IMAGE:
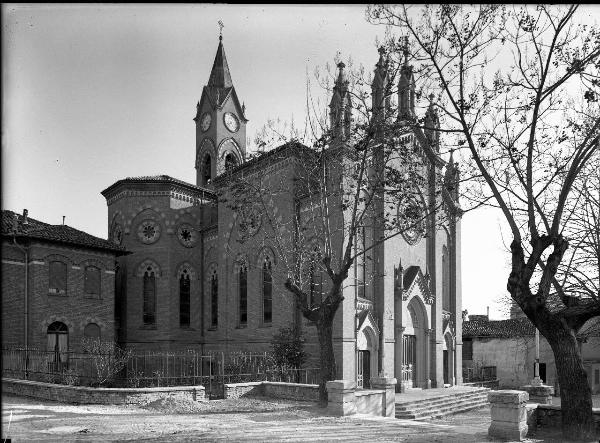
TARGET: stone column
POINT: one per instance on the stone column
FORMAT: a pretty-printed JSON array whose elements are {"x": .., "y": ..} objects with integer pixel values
[
  {"x": 340, "y": 397},
  {"x": 509, "y": 414},
  {"x": 389, "y": 398}
]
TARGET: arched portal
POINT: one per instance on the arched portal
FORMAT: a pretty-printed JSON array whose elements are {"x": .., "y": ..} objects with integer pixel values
[
  {"x": 367, "y": 356},
  {"x": 415, "y": 345},
  {"x": 448, "y": 359}
]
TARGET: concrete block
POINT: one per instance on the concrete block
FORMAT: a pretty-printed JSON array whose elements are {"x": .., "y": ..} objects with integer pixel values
[
  {"x": 340, "y": 385},
  {"x": 509, "y": 414},
  {"x": 508, "y": 431}
]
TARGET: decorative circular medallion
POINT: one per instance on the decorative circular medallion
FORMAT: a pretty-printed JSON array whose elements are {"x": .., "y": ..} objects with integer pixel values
[
  {"x": 187, "y": 235},
  {"x": 205, "y": 122},
  {"x": 411, "y": 219},
  {"x": 117, "y": 234},
  {"x": 250, "y": 219},
  {"x": 231, "y": 122},
  {"x": 148, "y": 231}
]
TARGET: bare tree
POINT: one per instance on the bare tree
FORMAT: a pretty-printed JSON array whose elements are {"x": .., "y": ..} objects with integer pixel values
[
  {"x": 356, "y": 182},
  {"x": 508, "y": 78}
]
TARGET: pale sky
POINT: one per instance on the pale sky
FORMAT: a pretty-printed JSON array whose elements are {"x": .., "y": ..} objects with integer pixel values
[{"x": 94, "y": 93}]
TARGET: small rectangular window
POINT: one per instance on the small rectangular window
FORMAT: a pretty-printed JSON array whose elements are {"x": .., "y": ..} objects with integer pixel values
[
  {"x": 91, "y": 281},
  {"x": 467, "y": 350},
  {"x": 57, "y": 278},
  {"x": 597, "y": 376}
]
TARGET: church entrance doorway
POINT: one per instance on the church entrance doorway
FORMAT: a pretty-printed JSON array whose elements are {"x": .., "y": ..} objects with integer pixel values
[
  {"x": 446, "y": 372},
  {"x": 409, "y": 354},
  {"x": 364, "y": 369}
]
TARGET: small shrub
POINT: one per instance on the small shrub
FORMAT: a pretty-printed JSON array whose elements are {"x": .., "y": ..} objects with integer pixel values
[
  {"x": 108, "y": 360},
  {"x": 288, "y": 349},
  {"x": 69, "y": 377}
]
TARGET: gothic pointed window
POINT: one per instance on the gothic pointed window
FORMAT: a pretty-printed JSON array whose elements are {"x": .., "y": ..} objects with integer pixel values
[
  {"x": 267, "y": 290},
  {"x": 214, "y": 299},
  {"x": 243, "y": 289},
  {"x": 445, "y": 278},
  {"x": 230, "y": 162},
  {"x": 149, "y": 308},
  {"x": 360, "y": 262},
  {"x": 184, "y": 299},
  {"x": 207, "y": 169}
]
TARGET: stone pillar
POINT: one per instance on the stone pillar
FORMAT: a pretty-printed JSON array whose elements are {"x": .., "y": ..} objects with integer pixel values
[
  {"x": 541, "y": 394},
  {"x": 340, "y": 397},
  {"x": 428, "y": 358},
  {"x": 509, "y": 414},
  {"x": 389, "y": 398}
]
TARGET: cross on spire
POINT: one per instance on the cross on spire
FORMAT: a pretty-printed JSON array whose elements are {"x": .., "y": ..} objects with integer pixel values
[{"x": 221, "y": 26}]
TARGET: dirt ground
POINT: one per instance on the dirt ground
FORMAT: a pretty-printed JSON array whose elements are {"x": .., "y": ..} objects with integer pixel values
[{"x": 247, "y": 419}]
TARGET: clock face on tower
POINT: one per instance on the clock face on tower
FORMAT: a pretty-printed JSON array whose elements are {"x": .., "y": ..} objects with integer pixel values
[
  {"x": 205, "y": 122},
  {"x": 231, "y": 122}
]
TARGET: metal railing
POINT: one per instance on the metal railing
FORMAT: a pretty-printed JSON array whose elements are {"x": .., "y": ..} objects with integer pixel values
[
  {"x": 482, "y": 373},
  {"x": 149, "y": 369}
]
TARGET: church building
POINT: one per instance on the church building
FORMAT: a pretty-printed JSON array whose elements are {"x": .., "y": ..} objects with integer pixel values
[{"x": 203, "y": 276}]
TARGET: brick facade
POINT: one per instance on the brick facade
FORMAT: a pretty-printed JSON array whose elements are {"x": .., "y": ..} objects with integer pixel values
[{"x": 76, "y": 309}]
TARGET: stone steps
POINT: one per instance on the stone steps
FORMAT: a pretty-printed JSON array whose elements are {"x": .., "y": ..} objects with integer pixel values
[{"x": 440, "y": 406}]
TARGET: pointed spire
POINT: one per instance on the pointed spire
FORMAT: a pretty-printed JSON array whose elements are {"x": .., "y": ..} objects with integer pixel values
[
  {"x": 432, "y": 123},
  {"x": 340, "y": 107},
  {"x": 220, "y": 76},
  {"x": 452, "y": 176},
  {"x": 406, "y": 86},
  {"x": 379, "y": 102}
]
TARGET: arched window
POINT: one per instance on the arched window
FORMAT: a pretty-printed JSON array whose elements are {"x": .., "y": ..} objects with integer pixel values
[
  {"x": 149, "y": 297},
  {"x": 57, "y": 284},
  {"x": 91, "y": 281},
  {"x": 360, "y": 261},
  {"x": 207, "y": 169},
  {"x": 58, "y": 342},
  {"x": 214, "y": 299},
  {"x": 315, "y": 279},
  {"x": 445, "y": 278},
  {"x": 267, "y": 290},
  {"x": 92, "y": 331},
  {"x": 243, "y": 288},
  {"x": 184, "y": 299},
  {"x": 230, "y": 162}
]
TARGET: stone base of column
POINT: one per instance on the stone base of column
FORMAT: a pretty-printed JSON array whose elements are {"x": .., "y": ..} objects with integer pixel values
[
  {"x": 389, "y": 400},
  {"x": 509, "y": 414},
  {"x": 541, "y": 394},
  {"x": 340, "y": 397}
]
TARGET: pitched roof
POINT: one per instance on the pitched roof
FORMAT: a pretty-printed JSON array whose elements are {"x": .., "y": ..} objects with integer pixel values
[
  {"x": 511, "y": 328},
  {"x": 157, "y": 179},
  {"x": 35, "y": 229}
]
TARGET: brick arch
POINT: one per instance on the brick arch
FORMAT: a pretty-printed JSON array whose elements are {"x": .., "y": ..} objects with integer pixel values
[
  {"x": 92, "y": 262},
  {"x": 228, "y": 146},
  {"x": 190, "y": 269},
  {"x": 265, "y": 251},
  {"x": 145, "y": 264},
  {"x": 92, "y": 319},
  {"x": 58, "y": 257},
  {"x": 206, "y": 146},
  {"x": 61, "y": 318}
]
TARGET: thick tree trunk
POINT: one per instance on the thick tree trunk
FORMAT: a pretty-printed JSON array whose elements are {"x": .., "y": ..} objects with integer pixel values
[
  {"x": 575, "y": 393},
  {"x": 328, "y": 368}
]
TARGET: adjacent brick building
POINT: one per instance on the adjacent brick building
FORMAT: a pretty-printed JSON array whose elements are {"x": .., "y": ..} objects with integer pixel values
[
  {"x": 203, "y": 275},
  {"x": 58, "y": 285}
]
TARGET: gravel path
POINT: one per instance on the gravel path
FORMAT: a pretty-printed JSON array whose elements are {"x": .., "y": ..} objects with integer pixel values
[{"x": 248, "y": 419}]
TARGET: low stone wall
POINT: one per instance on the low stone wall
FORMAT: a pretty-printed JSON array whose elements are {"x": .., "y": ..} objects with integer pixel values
[
  {"x": 492, "y": 384},
  {"x": 293, "y": 391},
  {"x": 369, "y": 401},
  {"x": 237, "y": 390},
  {"x": 550, "y": 416},
  {"x": 105, "y": 396}
]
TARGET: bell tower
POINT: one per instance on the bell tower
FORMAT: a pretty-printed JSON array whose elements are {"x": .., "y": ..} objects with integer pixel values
[{"x": 220, "y": 124}]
